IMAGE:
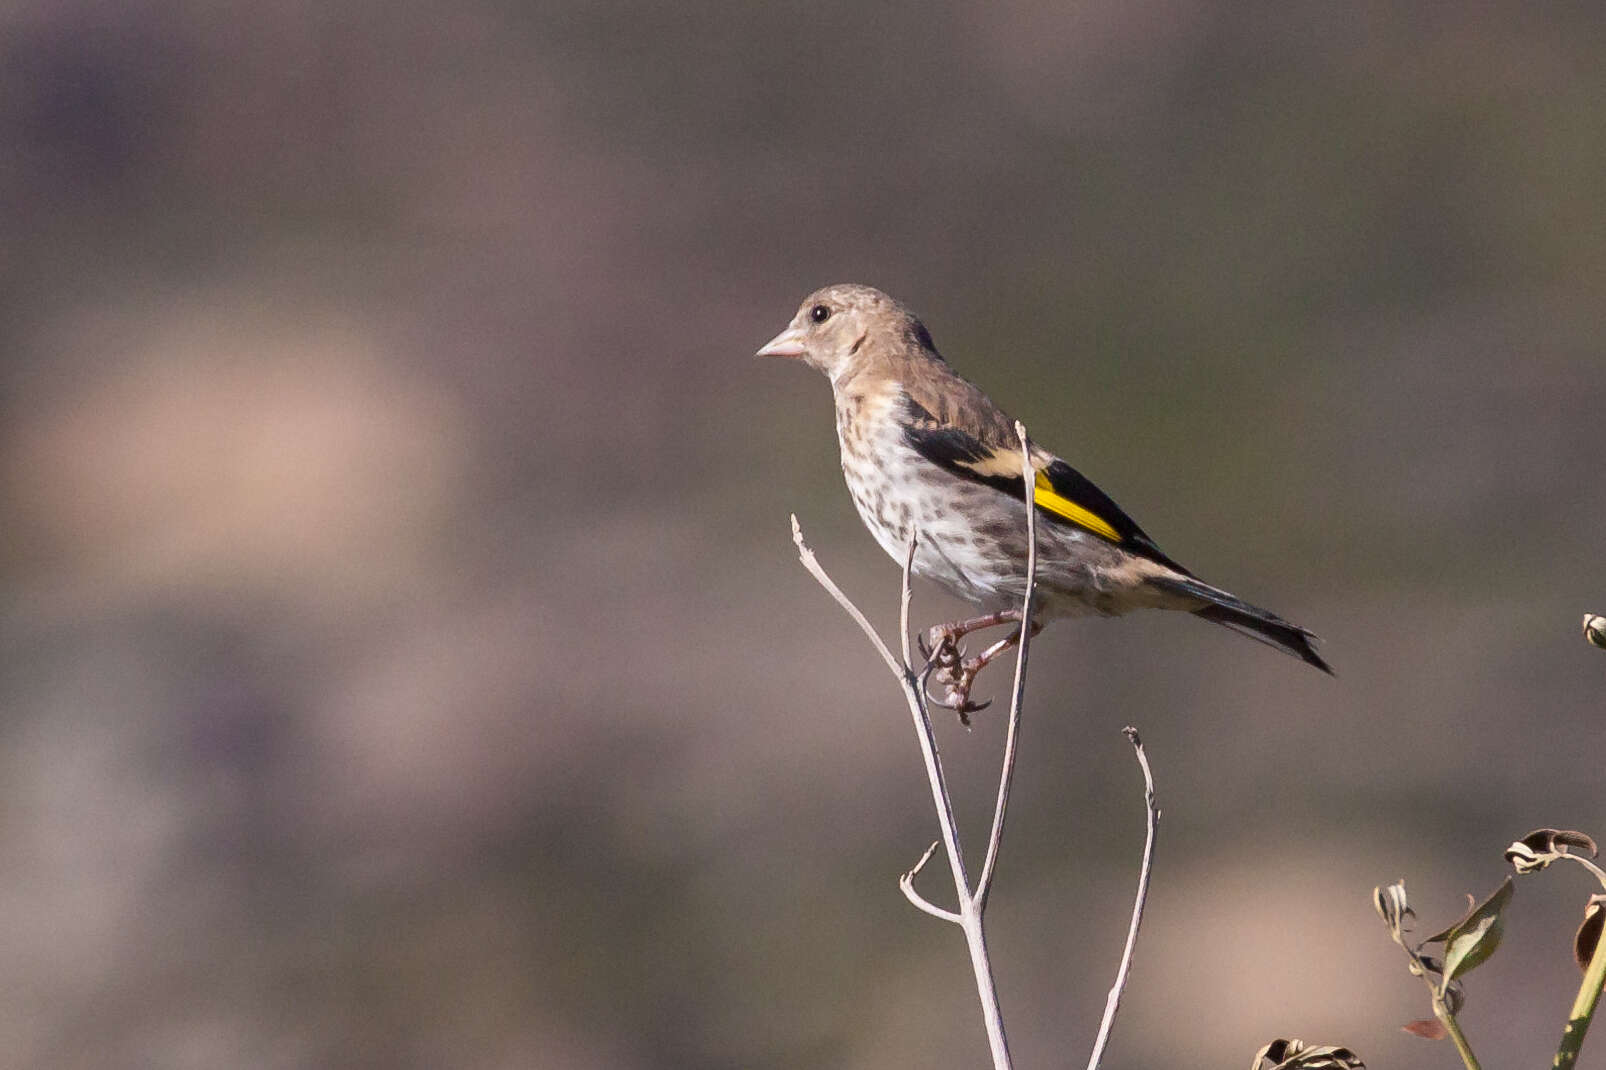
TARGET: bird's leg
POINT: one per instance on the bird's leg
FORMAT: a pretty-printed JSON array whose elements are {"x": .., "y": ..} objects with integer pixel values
[
  {"x": 957, "y": 672},
  {"x": 942, "y": 641}
]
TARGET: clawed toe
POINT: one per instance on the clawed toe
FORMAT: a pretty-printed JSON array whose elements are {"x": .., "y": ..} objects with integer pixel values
[
  {"x": 945, "y": 660},
  {"x": 957, "y": 680}
]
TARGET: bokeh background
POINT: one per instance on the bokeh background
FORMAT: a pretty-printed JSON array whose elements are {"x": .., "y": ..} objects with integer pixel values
[{"x": 405, "y": 662}]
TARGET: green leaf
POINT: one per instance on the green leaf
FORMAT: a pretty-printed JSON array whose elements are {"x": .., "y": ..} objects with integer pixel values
[
  {"x": 1470, "y": 942},
  {"x": 1444, "y": 934}
]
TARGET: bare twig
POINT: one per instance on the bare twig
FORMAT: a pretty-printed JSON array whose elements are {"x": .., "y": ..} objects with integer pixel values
[
  {"x": 969, "y": 916},
  {"x": 907, "y": 884},
  {"x": 1113, "y": 1002},
  {"x": 807, "y": 557},
  {"x": 984, "y": 883},
  {"x": 903, "y": 602},
  {"x": 1598, "y": 873}
]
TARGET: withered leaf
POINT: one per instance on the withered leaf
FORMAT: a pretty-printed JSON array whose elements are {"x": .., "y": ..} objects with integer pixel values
[
  {"x": 1392, "y": 906},
  {"x": 1283, "y": 1054},
  {"x": 1588, "y": 936},
  {"x": 1541, "y": 847},
  {"x": 1427, "y": 1029},
  {"x": 1455, "y": 996}
]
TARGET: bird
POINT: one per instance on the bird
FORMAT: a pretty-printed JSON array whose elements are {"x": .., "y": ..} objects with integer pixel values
[{"x": 928, "y": 456}]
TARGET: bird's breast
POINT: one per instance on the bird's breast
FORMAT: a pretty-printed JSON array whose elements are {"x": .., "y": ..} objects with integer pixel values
[{"x": 898, "y": 493}]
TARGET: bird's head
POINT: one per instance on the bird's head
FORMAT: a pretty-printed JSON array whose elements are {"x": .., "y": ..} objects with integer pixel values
[{"x": 833, "y": 326}]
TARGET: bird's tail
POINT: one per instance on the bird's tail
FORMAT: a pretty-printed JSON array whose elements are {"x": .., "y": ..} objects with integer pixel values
[{"x": 1259, "y": 624}]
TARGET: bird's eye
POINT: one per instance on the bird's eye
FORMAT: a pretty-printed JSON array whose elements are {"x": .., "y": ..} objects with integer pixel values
[{"x": 819, "y": 313}]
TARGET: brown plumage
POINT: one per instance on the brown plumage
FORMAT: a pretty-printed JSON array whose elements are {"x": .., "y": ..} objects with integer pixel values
[{"x": 924, "y": 451}]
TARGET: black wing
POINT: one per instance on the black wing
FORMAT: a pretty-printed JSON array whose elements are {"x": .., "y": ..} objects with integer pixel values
[{"x": 1063, "y": 495}]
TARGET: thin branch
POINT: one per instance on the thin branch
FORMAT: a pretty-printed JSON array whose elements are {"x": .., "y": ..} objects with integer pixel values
[
  {"x": 1113, "y": 1002},
  {"x": 970, "y": 910},
  {"x": 970, "y": 915},
  {"x": 1599, "y": 874},
  {"x": 807, "y": 557},
  {"x": 907, "y": 884},
  {"x": 903, "y": 601},
  {"x": 984, "y": 883}
]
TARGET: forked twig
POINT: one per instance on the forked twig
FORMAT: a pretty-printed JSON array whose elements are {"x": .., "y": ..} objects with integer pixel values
[
  {"x": 907, "y": 884},
  {"x": 968, "y": 917},
  {"x": 1112, "y": 1003},
  {"x": 972, "y": 902}
]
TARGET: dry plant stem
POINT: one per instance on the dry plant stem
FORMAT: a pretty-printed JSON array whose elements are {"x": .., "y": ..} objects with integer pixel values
[
  {"x": 903, "y": 607},
  {"x": 984, "y": 884},
  {"x": 807, "y": 557},
  {"x": 968, "y": 917},
  {"x": 1583, "y": 1012},
  {"x": 1598, "y": 873},
  {"x": 1113, "y": 1002},
  {"x": 970, "y": 914},
  {"x": 972, "y": 904},
  {"x": 906, "y": 883}
]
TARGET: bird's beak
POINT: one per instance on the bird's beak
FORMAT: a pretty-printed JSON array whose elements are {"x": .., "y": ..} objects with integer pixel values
[{"x": 789, "y": 343}]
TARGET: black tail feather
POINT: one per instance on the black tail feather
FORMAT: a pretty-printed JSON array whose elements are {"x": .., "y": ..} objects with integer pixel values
[
  {"x": 1269, "y": 629},
  {"x": 1258, "y": 624}
]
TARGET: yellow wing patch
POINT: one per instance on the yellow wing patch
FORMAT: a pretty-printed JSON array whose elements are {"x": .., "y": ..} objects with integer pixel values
[{"x": 1044, "y": 495}]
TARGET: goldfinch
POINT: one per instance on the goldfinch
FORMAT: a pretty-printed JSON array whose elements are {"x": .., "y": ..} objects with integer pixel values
[{"x": 926, "y": 453}]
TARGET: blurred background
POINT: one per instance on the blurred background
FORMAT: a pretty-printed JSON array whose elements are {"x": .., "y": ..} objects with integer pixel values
[{"x": 405, "y": 662}]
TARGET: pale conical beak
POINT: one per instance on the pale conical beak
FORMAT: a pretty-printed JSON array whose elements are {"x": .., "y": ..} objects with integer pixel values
[{"x": 789, "y": 343}]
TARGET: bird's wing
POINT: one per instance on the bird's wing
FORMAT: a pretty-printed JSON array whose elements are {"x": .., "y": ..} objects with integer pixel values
[{"x": 1063, "y": 494}]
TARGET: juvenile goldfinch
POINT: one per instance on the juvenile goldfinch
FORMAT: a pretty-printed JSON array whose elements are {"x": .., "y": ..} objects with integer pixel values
[{"x": 925, "y": 452}]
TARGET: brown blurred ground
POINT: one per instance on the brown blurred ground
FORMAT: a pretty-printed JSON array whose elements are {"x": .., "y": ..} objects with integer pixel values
[{"x": 404, "y": 660}]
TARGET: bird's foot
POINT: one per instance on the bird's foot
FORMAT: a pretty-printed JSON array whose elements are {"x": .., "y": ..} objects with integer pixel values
[
  {"x": 955, "y": 672},
  {"x": 956, "y": 690}
]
